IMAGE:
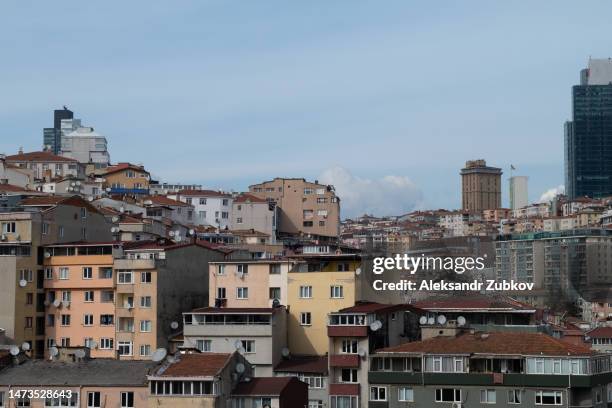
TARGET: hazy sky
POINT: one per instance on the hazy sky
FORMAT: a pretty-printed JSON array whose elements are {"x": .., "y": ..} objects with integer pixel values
[{"x": 386, "y": 99}]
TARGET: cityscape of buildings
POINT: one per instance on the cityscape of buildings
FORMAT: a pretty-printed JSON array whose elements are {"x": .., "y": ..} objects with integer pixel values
[{"x": 120, "y": 290}]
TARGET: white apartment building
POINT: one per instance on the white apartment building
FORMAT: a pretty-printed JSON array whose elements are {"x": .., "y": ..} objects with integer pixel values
[
  {"x": 210, "y": 207},
  {"x": 83, "y": 143},
  {"x": 458, "y": 222}
]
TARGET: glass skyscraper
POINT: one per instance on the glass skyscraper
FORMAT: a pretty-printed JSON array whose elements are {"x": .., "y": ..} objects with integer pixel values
[
  {"x": 588, "y": 136},
  {"x": 52, "y": 137}
]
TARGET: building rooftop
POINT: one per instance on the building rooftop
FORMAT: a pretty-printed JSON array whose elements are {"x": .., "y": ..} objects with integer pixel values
[
  {"x": 303, "y": 364},
  {"x": 247, "y": 197},
  {"x": 263, "y": 386},
  {"x": 94, "y": 372},
  {"x": 10, "y": 188},
  {"x": 195, "y": 365},
  {"x": 473, "y": 303},
  {"x": 235, "y": 310},
  {"x": 165, "y": 201},
  {"x": 601, "y": 332},
  {"x": 372, "y": 307},
  {"x": 497, "y": 343},
  {"x": 43, "y": 156},
  {"x": 204, "y": 193}
]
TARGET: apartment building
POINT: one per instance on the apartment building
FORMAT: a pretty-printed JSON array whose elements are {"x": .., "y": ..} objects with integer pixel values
[
  {"x": 481, "y": 369},
  {"x": 80, "y": 383},
  {"x": 250, "y": 212},
  {"x": 600, "y": 339},
  {"x": 313, "y": 370},
  {"x": 210, "y": 207},
  {"x": 304, "y": 208},
  {"x": 11, "y": 174},
  {"x": 459, "y": 223},
  {"x": 480, "y": 186},
  {"x": 122, "y": 300},
  {"x": 126, "y": 179},
  {"x": 46, "y": 166},
  {"x": 162, "y": 207},
  {"x": 249, "y": 283},
  {"x": 355, "y": 332},
  {"x": 316, "y": 285},
  {"x": 259, "y": 334},
  {"x": 26, "y": 227}
]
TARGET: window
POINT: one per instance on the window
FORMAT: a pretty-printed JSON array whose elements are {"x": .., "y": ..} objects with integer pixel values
[
  {"x": 83, "y": 212},
  {"x": 145, "y": 350},
  {"x": 202, "y": 214},
  {"x": 124, "y": 277},
  {"x": 29, "y": 298},
  {"x": 106, "y": 320},
  {"x": 221, "y": 270},
  {"x": 107, "y": 296},
  {"x": 349, "y": 346},
  {"x": 248, "y": 346},
  {"x": 1, "y": 398},
  {"x": 275, "y": 269},
  {"x": 224, "y": 215},
  {"x": 315, "y": 403},
  {"x": 8, "y": 227},
  {"x": 50, "y": 343},
  {"x": 488, "y": 397},
  {"x": 305, "y": 292},
  {"x": 221, "y": 293},
  {"x": 378, "y": 393},
  {"x": 65, "y": 341},
  {"x": 321, "y": 223},
  {"x": 66, "y": 296},
  {"x": 348, "y": 375},
  {"x": 106, "y": 273},
  {"x": 125, "y": 348},
  {"x": 204, "y": 345},
  {"x": 145, "y": 277},
  {"x": 106, "y": 343},
  {"x": 262, "y": 402},
  {"x": 316, "y": 382},
  {"x": 50, "y": 320},
  {"x": 307, "y": 224},
  {"x": 63, "y": 273},
  {"x": 548, "y": 398},
  {"x": 127, "y": 399},
  {"x": 305, "y": 319},
  {"x": 45, "y": 228},
  {"x": 23, "y": 402},
  {"x": 239, "y": 220},
  {"x": 93, "y": 399},
  {"x": 243, "y": 268},
  {"x": 405, "y": 394},
  {"x": 26, "y": 275},
  {"x": 28, "y": 322},
  {"x": 242, "y": 293},
  {"x": 448, "y": 395},
  {"x": 65, "y": 320},
  {"x": 202, "y": 201},
  {"x": 89, "y": 296},
  {"x": 48, "y": 273},
  {"x": 337, "y": 292},
  {"x": 145, "y": 326},
  {"x": 343, "y": 267},
  {"x": 145, "y": 301},
  {"x": 88, "y": 320},
  {"x": 60, "y": 231},
  {"x": 343, "y": 401},
  {"x": 88, "y": 342},
  {"x": 275, "y": 293}
]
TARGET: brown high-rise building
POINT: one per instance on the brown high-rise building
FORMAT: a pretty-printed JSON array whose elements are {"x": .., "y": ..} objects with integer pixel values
[{"x": 480, "y": 186}]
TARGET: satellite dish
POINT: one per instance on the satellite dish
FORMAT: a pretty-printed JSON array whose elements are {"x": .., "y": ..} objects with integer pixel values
[
  {"x": 25, "y": 346},
  {"x": 78, "y": 183},
  {"x": 461, "y": 321},
  {"x": 108, "y": 189},
  {"x": 47, "y": 254},
  {"x": 237, "y": 344},
  {"x": 14, "y": 350},
  {"x": 441, "y": 319},
  {"x": 423, "y": 320},
  {"x": 358, "y": 271},
  {"x": 115, "y": 218},
  {"x": 275, "y": 303},
  {"x": 114, "y": 230},
  {"x": 80, "y": 353},
  {"x": 431, "y": 320},
  {"x": 57, "y": 303},
  {"x": 178, "y": 238},
  {"x": 53, "y": 351},
  {"x": 171, "y": 233},
  {"x": 159, "y": 354},
  {"x": 23, "y": 283},
  {"x": 375, "y": 325},
  {"x": 121, "y": 209},
  {"x": 174, "y": 325},
  {"x": 285, "y": 352},
  {"x": 240, "y": 368},
  {"x": 192, "y": 232},
  {"x": 361, "y": 352}
]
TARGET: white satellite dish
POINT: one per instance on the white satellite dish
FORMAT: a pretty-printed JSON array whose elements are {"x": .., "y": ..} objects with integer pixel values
[
  {"x": 285, "y": 352},
  {"x": 47, "y": 254},
  {"x": 115, "y": 218},
  {"x": 178, "y": 238},
  {"x": 358, "y": 271},
  {"x": 108, "y": 189},
  {"x": 423, "y": 320},
  {"x": 192, "y": 232},
  {"x": 376, "y": 325},
  {"x": 441, "y": 319},
  {"x": 159, "y": 354},
  {"x": 80, "y": 353},
  {"x": 14, "y": 350},
  {"x": 114, "y": 230},
  {"x": 461, "y": 321},
  {"x": 57, "y": 303},
  {"x": 240, "y": 368},
  {"x": 431, "y": 320},
  {"x": 53, "y": 351},
  {"x": 171, "y": 233},
  {"x": 237, "y": 344},
  {"x": 361, "y": 352},
  {"x": 25, "y": 346},
  {"x": 23, "y": 283},
  {"x": 121, "y": 210},
  {"x": 174, "y": 325},
  {"x": 78, "y": 183}
]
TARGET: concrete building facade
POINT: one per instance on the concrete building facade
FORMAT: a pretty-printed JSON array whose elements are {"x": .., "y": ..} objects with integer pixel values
[{"x": 480, "y": 186}]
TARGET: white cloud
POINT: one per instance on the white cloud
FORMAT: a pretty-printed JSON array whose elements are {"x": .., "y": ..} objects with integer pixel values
[
  {"x": 389, "y": 195},
  {"x": 549, "y": 194}
]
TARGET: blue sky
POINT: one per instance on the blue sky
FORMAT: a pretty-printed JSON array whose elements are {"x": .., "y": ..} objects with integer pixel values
[{"x": 390, "y": 96}]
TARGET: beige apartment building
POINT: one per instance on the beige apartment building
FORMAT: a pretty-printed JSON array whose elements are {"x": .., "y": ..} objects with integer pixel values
[
  {"x": 123, "y": 300},
  {"x": 34, "y": 222},
  {"x": 480, "y": 186},
  {"x": 46, "y": 166},
  {"x": 250, "y": 212},
  {"x": 304, "y": 208}
]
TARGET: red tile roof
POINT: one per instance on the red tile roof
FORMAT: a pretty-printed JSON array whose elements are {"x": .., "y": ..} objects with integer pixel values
[
  {"x": 123, "y": 166},
  {"x": 10, "y": 188},
  {"x": 264, "y": 386},
  {"x": 39, "y": 157},
  {"x": 303, "y": 364},
  {"x": 472, "y": 302},
  {"x": 53, "y": 200},
  {"x": 163, "y": 200},
  {"x": 601, "y": 332},
  {"x": 247, "y": 197},
  {"x": 203, "y": 193},
  {"x": 197, "y": 365},
  {"x": 372, "y": 307},
  {"x": 492, "y": 343},
  {"x": 236, "y": 310}
]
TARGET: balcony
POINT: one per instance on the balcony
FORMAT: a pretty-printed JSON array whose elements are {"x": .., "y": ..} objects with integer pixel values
[
  {"x": 132, "y": 264},
  {"x": 344, "y": 360},
  {"x": 127, "y": 312},
  {"x": 125, "y": 288},
  {"x": 344, "y": 389},
  {"x": 347, "y": 331}
]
